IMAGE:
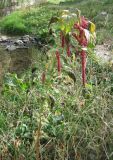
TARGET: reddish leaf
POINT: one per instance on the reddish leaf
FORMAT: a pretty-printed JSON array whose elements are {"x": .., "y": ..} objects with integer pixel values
[
  {"x": 84, "y": 23},
  {"x": 58, "y": 61}
]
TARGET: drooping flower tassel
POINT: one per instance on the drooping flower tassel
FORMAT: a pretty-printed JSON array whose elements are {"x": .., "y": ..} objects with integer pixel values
[
  {"x": 58, "y": 61},
  {"x": 83, "y": 59},
  {"x": 62, "y": 39},
  {"x": 68, "y": 50}
]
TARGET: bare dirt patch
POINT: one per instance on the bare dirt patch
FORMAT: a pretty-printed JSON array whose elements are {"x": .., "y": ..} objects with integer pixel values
[{"x": 104, "y": 53}]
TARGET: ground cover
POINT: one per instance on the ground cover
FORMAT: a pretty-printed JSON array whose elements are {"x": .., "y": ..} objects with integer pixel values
[{"x": 44, "y": 115}]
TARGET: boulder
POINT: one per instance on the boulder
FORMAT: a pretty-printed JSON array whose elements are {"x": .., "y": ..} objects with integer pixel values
[
  {"x": 18, "y": 42},
  {"x": 3, "y": 39},
  {"x": 11, "y": 48}
]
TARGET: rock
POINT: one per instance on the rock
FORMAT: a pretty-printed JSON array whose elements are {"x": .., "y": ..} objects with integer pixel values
[
  {"x": 26, "y": 37},
  {"x": 18, "y": 42},
  {"x": 0, "y": 40},
  {"x": 3, "y": 39},
  {"x": 33, "y": 41},
  {"x": 12, "y": 43},
  {"x": 103, "y": 13},
  {"x": 11, "y": 48},
  {"x": 26, "y": 41}
]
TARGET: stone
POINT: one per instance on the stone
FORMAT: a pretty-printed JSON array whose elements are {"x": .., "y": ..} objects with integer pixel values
[
  {"x": 26, "y": 41},
  {"x": 26, "y": 37},
  {"x": 103, "y": 13},
  {"x": 11, "y": 48},
  {"x": 18, "y": 42},
  {"x": 3, "y": 39}
]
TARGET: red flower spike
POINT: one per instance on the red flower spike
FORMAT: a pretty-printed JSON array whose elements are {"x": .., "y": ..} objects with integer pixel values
[
  {"x": 84, "y": 43},
  {"x": 62, "y": 39},
  {"x": 84, "y": 23},
  {"x": 68, "y": 50},
  {"x": 77, "y": 26},
  {"x": 81, "y": 39},
  {"x": 76, "y": 36},
  {"x": 43, "y": 77},
  {"x": 58, "y": 61},
  {"x": 83, "y": 58}
]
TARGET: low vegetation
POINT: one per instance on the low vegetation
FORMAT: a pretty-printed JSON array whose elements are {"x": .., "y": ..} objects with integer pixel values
[
  {"x": 47, "y": 113},
  {"x": 29, "y": 21},
  {"x": 68, "y": 120}
]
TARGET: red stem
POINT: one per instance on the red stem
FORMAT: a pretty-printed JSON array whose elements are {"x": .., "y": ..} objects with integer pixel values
[
  {"x": 58, "y": 61},
  {"x": 68, "y": 50},
  {"x": 62, "y": 39}
]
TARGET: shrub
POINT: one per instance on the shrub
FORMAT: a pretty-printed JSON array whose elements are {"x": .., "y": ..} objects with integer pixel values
[{"x": 33, "y": 21}]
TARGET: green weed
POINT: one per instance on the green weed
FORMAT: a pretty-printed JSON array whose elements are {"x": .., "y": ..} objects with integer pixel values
[{"x": 74, "y": 122}]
